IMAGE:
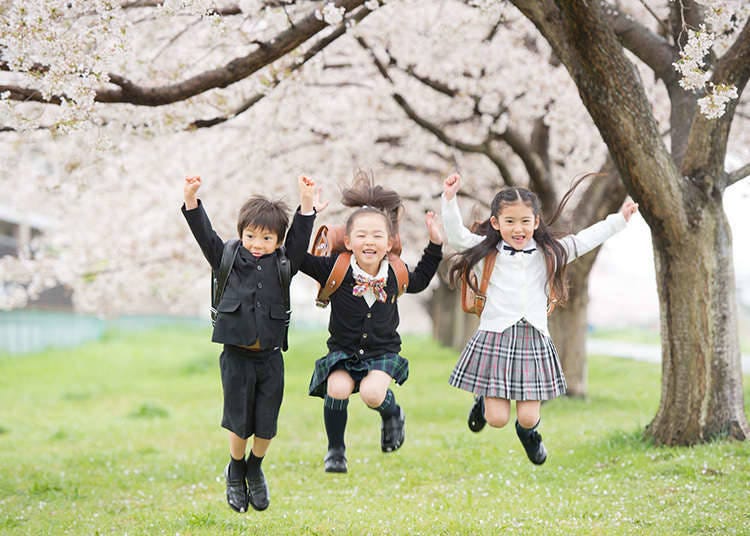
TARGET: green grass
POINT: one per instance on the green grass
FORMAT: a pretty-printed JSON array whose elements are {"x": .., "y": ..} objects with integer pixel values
[
  {"x": 122, "y": 437},
  {"x": 645, "y": 335}
]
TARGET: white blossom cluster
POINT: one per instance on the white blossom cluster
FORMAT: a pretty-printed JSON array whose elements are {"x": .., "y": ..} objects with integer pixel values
[
  {"x": 35, "y": 36},
  {"x": 691, "y": 62},
  {"x": 714, "y": 104},
  {"x": 724, "y": 18},
  {"x": 330, "y": 13}
]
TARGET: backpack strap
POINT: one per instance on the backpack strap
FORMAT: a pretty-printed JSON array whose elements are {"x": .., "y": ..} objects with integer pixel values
[
  {"x": 219, "y": 279},
  {"x": 401, "y": 271},
  {"x": 340, "y": 268},
  {"x": 480, "y": 297},
  {"x": 334, "y": 279},
  {"x": 284, "y": 268},
  {"x": 321, "y": 247}
]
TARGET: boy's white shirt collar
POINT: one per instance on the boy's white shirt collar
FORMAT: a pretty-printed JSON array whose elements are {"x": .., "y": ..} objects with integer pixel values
[{"x": 369, "y": 295}]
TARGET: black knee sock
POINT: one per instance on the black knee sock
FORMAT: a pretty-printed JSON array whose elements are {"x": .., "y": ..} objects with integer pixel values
[
  {"x": 526, "y": 431},
  {"x": 388, "y": 408},
  {"x": 253, "y": 463},
  {"x": 335, "y": 415},
  {"x": 237, "y": 468}
]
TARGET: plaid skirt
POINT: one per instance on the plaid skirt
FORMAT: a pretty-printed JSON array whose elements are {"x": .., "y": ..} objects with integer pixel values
[
  {"x": 520, "y": 363},
  {"x": 394, "y": 365}
]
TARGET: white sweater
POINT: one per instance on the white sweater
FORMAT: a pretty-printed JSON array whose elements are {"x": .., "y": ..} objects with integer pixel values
[{"x": 517, "y": 286}]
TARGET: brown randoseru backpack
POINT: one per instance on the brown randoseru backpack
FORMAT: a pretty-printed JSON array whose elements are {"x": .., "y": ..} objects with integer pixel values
[
  {"x": 473, "y": 302},
  {"x": 329, "y": 240}
]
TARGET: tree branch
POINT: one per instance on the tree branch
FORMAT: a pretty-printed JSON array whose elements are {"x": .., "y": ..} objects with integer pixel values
[
  {"x": 650, "y": 48},
  {"x": 233, "y": 9},
  {"x": 481, "y": 148},
  {"x": 738, "y": 174},
  {"x": 533, "y": 163},
  {"x": 417, "y": 168},
  {"x": 221, "y": 77},
  {"x": 307, "y": 56}
]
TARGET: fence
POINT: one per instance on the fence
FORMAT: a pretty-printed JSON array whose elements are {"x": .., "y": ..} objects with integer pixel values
[{"x": 32, "y": 331}]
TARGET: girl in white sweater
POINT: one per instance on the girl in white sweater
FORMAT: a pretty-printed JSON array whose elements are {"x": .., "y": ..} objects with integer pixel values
[{"x": 511, "y": 356}]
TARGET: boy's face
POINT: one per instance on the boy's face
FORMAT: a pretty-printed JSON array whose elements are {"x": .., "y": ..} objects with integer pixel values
[
  {"x": 368, "y": 240},
  {"x": 259, "y": 241}
]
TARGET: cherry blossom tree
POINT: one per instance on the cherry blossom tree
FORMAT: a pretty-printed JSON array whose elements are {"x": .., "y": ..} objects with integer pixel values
[
  {"x": 678, "y": 183},
  {"x": 104, "y": 108}
]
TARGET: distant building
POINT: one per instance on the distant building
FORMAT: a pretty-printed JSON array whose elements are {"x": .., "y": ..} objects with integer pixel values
[{"x": 16, "y": 233}]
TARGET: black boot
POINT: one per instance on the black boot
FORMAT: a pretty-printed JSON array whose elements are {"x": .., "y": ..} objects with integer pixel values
[
  {"x": 392, "y": 434},
  {"x": 476, "y": 415},
  {"x": 335, "y": 460},
  {"x": 532, "y": 443}
]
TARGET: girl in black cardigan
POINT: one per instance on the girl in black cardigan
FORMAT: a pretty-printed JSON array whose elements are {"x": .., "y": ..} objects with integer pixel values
[{"x": 364, "y": 343}]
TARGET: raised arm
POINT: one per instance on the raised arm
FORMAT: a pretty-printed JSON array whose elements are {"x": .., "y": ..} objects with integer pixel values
[
  {"x": 584, "y": 241},
  {"x": 298, "y": 237},
  {"x": 210, "y": 242},
  {"x": 456, "y": 234}
]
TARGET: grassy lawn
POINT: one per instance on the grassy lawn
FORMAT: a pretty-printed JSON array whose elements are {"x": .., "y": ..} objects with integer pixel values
[{"x": 122, "y": 437}]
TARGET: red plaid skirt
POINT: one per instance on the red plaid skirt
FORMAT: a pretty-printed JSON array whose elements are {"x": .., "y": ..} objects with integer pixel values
[{"x": 520, "y": 363}]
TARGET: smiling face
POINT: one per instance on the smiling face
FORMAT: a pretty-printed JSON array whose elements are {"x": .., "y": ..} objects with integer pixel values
[
  {"x": 368, "y": 239},
  {"x": 259, "y": 241},
  {"x": 516, "y": 223}
]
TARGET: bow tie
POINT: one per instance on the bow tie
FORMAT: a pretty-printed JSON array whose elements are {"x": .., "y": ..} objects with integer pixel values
[
  {"x": 513, "y": 251},
  {"x": 363, "y": 284}
]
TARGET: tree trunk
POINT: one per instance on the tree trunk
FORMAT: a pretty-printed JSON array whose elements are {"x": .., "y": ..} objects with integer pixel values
[
  {"x": 702, "y": 376},
  {"x": 702, "y": 396},
  {"x": 568, "y": 327}
]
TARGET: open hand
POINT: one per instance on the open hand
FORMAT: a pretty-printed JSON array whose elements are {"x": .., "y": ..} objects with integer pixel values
[
  {"x": 451, "y": 185},
  {"x": 433, "y": 228}
]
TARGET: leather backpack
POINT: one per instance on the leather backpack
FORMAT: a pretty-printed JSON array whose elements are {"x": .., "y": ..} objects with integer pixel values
[{"x": 329, "y": 240}]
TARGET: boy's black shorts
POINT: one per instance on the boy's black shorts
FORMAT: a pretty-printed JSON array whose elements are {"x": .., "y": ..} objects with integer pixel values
[{"x": 253, "y": 384}]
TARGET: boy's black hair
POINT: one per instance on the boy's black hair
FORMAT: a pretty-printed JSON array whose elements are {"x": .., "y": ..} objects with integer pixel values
[{"x": 264, "y": 213}]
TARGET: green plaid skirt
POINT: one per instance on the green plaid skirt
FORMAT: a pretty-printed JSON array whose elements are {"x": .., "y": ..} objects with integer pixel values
[{"x": 394, "y": 365}]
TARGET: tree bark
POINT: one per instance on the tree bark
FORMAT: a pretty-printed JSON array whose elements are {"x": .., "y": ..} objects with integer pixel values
[
  {"x": 701, "y": 370},
  {"x": 701, "y": 395}
]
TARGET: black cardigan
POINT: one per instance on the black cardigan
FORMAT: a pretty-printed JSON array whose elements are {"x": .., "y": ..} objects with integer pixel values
[
  {"x": 252, "y": 307},
  {"x": 354, "y": 327}
]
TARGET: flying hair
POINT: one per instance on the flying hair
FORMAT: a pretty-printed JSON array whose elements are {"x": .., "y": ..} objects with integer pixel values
[{"x": 555, "y": 255}]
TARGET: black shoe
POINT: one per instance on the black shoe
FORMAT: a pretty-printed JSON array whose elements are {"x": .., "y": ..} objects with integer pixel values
[
  {"x": 476, "y": 415},
  {"x": 392, "y": 434},
  {"x": 335, "y": 460},
  {"x": 236, "y": 492},
  {"x": 257, "y": 490},
  {"x": 532, "y": 443}
]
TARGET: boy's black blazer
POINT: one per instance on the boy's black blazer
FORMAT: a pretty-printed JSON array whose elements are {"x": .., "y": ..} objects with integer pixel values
[{"x": 252, "y": 307}]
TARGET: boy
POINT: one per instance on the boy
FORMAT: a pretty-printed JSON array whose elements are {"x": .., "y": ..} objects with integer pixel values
[{"x": 251, "y": 324}]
